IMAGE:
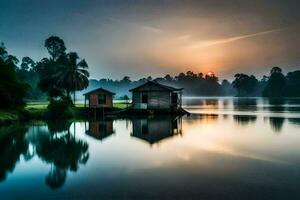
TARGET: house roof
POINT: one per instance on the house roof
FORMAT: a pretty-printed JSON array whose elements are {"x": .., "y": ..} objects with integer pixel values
[
  {"x": 99, "y": 89},
  {"x": 165, "y": 87}
]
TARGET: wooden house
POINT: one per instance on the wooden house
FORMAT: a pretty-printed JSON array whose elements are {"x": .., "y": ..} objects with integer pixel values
[
  {"x": 155, "y": 96},
  {"x": 99, "y": 98}
]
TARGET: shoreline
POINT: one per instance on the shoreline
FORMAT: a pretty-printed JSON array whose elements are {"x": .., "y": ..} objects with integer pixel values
[{"x": 9, "y": 117}]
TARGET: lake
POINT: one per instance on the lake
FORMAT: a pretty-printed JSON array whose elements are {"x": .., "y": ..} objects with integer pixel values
[{"x": 228, "y": 148}]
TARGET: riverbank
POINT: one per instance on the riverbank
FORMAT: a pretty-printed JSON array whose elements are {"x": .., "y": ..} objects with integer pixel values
[{"x": 39, "y": 111}]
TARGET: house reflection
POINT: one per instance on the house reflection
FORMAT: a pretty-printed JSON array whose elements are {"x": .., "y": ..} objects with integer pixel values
[
  {"x": 154, "y": 130},
  {"x": 100, "y": 129}
]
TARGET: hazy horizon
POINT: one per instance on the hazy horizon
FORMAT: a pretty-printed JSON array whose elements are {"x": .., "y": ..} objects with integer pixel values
[{"x": 139, "y": 38}]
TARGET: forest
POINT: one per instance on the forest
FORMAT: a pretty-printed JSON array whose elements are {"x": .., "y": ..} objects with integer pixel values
[{"x": 276, "y": 84}]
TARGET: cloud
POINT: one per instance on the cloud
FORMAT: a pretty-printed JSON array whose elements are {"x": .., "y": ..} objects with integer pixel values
[
  {"x": 137, "y": 25},
  {"x": 151, "y": 29},
  {"x": 208, "y": 43}
]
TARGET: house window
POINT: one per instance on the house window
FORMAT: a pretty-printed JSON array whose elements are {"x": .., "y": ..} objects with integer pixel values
[
  {"x": 101, "y": 98},
  {"x": 144, "y": 98}
]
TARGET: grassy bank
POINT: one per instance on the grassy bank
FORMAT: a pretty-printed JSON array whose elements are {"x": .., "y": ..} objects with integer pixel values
[{"x": 38, "y": 111}]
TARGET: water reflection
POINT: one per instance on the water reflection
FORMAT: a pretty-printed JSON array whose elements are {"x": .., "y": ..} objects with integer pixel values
[
  {"x": 295, "y": 121},
  {"x": 276, "y": 123},
  {"x": 155, "y": 129},
  {"x": 276, "y": 104},
  {"x": 230, "y": 147},
  {"x": 63, "y": 151},
  {"x": 245, "y": 104},
  {"x": 244, "y": 119},
  {"x": 12, "y": 146},
  {"x": 99, "y": 129},
  {"x": 56, "y": 146}
]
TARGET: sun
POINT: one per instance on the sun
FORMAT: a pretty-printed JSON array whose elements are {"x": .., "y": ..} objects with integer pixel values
[{"x": 210, "y": 73}]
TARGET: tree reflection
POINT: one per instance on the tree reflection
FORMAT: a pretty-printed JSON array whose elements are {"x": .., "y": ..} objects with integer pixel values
[
  {"x": 58, "y": 126},
  {"x": 56, "y": 177},
  {"x": 245, "y": 104},
  {"x": 12, "y": 145},
  {"x": 244, "y": 119},
  {"x": 276, "y": 104},
  {"x": 276, "y": 123},
  {"x": 295, "y": 121},
  {"x": 63, "y": 151}
]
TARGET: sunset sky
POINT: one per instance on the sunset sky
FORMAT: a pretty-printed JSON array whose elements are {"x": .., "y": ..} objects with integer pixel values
[{"x": 154, "y": 37}]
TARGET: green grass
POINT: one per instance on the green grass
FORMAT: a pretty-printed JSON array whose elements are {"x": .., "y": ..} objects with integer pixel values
[
  {"x": 42, "y": 105},
  {"x": 37, "y": 105},
  {"x": 120, "y": 105},
  {"x": 38, "y": 110}
]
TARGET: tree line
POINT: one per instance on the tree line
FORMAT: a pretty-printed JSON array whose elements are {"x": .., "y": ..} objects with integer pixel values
[
  {"x": 63, "y": 73},
  {"x": 276, "y": 84},
  {"x": 54, "y": 78}
]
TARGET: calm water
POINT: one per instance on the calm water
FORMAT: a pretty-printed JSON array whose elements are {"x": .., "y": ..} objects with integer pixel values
[{"x": 228, "y": 148}]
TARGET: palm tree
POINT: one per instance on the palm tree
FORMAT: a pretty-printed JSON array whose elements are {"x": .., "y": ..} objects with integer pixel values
[{"x": 73, "y": 74}]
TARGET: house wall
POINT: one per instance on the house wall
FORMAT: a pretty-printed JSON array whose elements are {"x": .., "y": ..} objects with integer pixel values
[
  {"x": 156, "y": 99},
  {"x": 93, "y": 100}
]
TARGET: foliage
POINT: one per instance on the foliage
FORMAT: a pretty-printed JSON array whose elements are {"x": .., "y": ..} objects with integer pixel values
[
  {"x": 73, "y": 74},
  {"x": 12, "y": 146},
  {"x": 293, "y": 84},
  {"x": 56, "y": 47},
  {"x": 27, "y": 73},
  {"x": 12, "y": 91},
  {"x": 193, "y": 84},
  {"x": 245, "y": 85},
  {"x": 47, "y": 70},
  {"x": 276, "y": 84},
  {"x": 62, "y": 72},
  {"x": 60, "y": 108},
  {"x": 227, "y": 88}
]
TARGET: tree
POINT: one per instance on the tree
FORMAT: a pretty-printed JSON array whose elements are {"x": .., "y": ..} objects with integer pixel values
[
  {"x": 47, "y": 70},
  {"x": 293, "y": 84},
  {"x": 12, "y": 91},
  {"x": 73, "y": 74},
  {"x": 227, "y": 88},
  {"x": 245, "y": 85},
  {"x": 56, "y": 47},
  {"x": 168, "y": 78},
  {"x": 27, "y": 64},
  {"x": 276, "y": 84},
  {"x": 62, "y": 73}
]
